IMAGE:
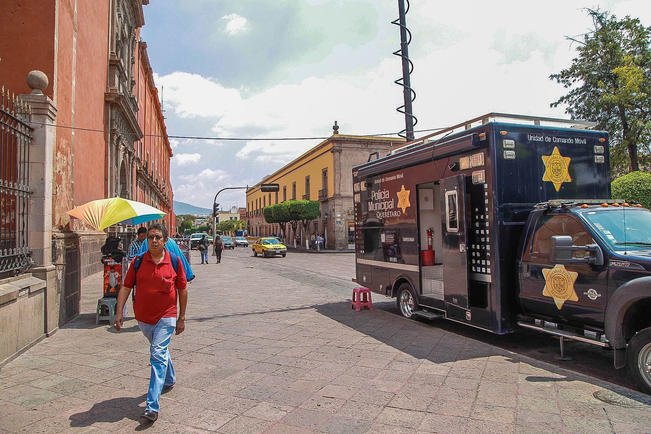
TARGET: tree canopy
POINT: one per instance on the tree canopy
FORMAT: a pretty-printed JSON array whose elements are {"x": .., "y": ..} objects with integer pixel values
[
  {"x": 292, "y": 212},
  {"x": 231, "y": 225},
  {"x": 610, "y": 82}
]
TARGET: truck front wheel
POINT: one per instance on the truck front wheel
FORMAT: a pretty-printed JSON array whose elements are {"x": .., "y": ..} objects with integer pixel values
[
  {"x": 638, "y": 358},
  {"x": 406, "y": 301}
]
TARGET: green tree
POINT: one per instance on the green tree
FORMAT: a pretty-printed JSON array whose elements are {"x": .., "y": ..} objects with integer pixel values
[
  {"x": 230, "y": 226},
  {"x": 610, "y": 83},
  {"x": 633, "y": 187},
  {"x": 293, "y": 212}
]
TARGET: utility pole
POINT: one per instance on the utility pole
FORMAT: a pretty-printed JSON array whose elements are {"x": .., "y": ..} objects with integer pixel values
[
  {"x": 263, "y": 187},
  {"x": 407, "y": 67}
]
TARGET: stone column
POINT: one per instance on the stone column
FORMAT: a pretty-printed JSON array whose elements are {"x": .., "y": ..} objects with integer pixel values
[{"x": 41, "y": 155}]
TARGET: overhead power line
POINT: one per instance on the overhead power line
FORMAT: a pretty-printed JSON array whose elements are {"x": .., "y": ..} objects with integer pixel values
[{"x": 234, "y": 139}]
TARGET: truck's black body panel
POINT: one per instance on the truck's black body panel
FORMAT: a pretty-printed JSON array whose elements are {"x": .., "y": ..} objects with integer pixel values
[{"x": 502, "y": 185}]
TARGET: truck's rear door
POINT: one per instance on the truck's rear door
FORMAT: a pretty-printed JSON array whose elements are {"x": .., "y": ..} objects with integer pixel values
[{"x": 455, "y": 235}]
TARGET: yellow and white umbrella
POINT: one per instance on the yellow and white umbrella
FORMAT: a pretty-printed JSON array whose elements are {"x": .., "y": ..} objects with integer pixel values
[{"x": 102, "y": 213}]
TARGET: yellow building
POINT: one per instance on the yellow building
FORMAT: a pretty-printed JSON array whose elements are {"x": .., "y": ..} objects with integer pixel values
[{"x": 323, "y": 173}]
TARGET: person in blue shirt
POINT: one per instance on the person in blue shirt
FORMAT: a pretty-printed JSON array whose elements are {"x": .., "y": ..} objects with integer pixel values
[{"x": 134, "y": 247}]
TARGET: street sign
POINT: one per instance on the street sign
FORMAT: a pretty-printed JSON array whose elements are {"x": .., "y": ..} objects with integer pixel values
[{"x": 266, "y": 188}]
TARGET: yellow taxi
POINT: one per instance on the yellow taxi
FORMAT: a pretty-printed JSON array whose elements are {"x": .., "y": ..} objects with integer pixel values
[{"x": 269, "y": 246}]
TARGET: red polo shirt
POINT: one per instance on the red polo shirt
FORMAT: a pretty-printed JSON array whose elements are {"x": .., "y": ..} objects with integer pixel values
[{"x": 156, "y": 288}]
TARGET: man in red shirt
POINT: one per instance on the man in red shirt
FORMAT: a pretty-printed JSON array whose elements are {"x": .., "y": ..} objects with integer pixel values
[{"x": 155, "y": 309}]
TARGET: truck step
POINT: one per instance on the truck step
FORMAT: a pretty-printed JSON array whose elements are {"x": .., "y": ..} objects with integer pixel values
[
  {"x": 563, "y": 333},
  {"x": 428, "y": 314}
]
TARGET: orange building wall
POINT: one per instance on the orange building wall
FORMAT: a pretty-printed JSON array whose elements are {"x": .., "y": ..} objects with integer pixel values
[
  {"x": 63, "y": 96},
  {"x": 91, "y": 64},
  {"x": 81, "y": 66},
  {"x": 32, "y": 50}
]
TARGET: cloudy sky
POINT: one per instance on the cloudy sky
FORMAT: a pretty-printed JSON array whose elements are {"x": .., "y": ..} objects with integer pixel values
[{"x": 289, "y": 68}]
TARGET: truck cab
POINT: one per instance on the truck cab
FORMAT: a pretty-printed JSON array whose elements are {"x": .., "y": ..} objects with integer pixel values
[{"x": 584, "y": 270}]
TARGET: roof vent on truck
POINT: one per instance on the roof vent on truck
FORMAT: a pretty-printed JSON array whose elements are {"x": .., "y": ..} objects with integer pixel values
[{"x": 498, "y": 117}]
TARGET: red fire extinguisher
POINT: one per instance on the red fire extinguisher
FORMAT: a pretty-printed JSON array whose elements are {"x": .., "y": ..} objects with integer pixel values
[{"x": 430, "y": 235}]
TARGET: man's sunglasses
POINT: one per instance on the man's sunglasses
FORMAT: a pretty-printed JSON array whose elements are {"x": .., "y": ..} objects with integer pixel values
[{"x": 154, "y": 237}]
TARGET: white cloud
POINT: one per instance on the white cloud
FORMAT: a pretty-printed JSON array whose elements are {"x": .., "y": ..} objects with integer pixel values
[
  {"x": 206, "y": 175},
  {"x": 191, "y": 95},
  {"x": 235, "y": 24},
  {"x": 186, "y": 159}
]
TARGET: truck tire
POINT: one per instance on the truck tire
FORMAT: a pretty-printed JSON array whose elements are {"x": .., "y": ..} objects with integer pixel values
[
  {"x": 406, "y": 300},
  {"x": 638, "y": 359}
]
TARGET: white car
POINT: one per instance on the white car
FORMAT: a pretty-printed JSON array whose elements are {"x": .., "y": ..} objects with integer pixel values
[
  {"x": 196, "y": 237},
  {"x": 241, "y": 242}
]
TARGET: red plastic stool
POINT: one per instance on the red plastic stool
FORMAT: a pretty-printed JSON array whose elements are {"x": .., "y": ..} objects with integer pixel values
[{"x": 361, "y": 298}]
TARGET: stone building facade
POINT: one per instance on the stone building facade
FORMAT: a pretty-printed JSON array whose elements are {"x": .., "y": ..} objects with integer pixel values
[
  {"x": 323, "y": 173},
  {"x": 100, "y": 114}
]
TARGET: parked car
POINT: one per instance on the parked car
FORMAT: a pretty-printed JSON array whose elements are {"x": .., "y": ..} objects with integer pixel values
[
  {"x": 196, "y": 237},
  {"x": 228, "y": 242},
  {"x": 241, "y": 242},
  {"x": 269, "y": 246}
]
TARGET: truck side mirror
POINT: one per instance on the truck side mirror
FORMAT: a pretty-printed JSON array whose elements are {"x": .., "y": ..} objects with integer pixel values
[{"x": 562, "y": 249}]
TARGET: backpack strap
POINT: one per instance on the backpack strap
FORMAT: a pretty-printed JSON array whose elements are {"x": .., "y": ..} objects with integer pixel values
[
  {"x": 137, "y": 261},
  {"x": 175, "y": 261},
  {"x": 173, "y": 258}
]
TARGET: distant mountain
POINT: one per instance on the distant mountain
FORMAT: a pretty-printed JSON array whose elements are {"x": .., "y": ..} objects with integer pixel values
[{"x": 185, "y": 208}]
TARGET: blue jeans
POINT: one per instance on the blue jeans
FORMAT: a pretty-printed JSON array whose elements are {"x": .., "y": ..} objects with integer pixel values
[
  {"x": 162, "y": 370},
  {"x": 204, "y": 255}
]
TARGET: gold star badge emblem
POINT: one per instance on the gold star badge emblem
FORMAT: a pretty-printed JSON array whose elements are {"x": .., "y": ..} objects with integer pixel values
[
  {"x": 559, "y": 284},
  {"x": 556, "y": 168},
  {"x": 403, "y": 199}
]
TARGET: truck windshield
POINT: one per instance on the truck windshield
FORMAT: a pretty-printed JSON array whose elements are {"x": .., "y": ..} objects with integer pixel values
[{"x": 623, "y": 229}]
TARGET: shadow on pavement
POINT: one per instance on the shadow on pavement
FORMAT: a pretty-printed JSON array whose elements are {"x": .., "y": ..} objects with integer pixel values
[
  {"x": 111, "y": 410},
  {"x": 253, "y": 312},
  {"x": 87, "y": 321},
  {"x": 442, "y": 341}
]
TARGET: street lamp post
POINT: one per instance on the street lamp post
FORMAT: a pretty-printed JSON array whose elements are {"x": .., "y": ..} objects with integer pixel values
[{"x": 263, "y": 187}]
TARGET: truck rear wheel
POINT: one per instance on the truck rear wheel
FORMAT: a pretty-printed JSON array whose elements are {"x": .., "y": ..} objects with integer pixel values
[
  {"x": 406, "y": 300},
  {"x": 638, "y": 358}
]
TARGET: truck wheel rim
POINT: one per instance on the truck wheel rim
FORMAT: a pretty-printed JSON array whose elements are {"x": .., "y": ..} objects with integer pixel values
[
  {"x": 644, "y": 363},
  {"x": 407, "y": 304}
]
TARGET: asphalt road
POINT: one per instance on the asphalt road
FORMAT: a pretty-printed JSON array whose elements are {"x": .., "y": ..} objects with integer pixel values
[{"x": 336, "y": 270}]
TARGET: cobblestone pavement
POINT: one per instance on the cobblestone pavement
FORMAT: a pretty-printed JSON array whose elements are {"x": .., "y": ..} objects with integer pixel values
[{"x": 272, "y": 345}]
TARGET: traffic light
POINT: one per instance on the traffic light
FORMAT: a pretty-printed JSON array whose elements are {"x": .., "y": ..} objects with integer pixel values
[
  {"x": 269, "y": 188},
  {"x": 215, "y": 208}
]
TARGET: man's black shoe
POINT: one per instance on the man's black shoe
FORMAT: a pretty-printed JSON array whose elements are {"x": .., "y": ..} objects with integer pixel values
[
  {"x": 167, "y": 388},
  {"x": 150, "y": 416}
]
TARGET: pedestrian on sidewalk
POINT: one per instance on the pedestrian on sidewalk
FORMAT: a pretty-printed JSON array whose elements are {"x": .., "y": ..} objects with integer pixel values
[
  {"x": 161, "y": 281},
  {"x": 219, "y": 248},
  {"x": 134, "y": 247},
  {"x": 134, "y": 250},
  {"x": 203, "y": 248}
]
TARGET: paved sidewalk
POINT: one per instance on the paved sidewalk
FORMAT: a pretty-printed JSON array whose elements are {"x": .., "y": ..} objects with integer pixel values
[{"x": 267, "y": 349}]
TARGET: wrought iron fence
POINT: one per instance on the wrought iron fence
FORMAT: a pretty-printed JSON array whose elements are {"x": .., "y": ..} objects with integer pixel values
[{"x": 15, "y": 139}]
